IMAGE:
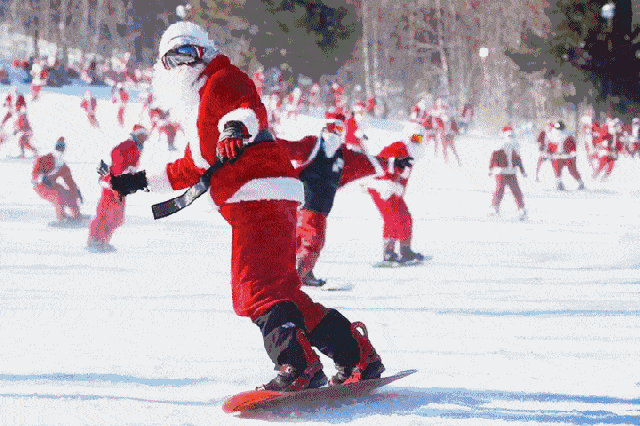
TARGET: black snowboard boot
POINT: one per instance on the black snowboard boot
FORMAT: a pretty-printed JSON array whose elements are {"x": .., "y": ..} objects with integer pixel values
[
  {"x": 298, "y": 366},
  {"x": 349, "y": 347},
  {"x": 408, "y": 255}
]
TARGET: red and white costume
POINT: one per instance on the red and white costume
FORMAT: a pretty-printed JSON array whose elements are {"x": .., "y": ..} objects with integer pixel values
[
  {"x": 354, "y": 135},
  {"x": 633, "y": 139},
  {"x": 257, "y": 194},
  {"x": 125, "y": 158},
  {"x": 52, "y": 180},
  {"x": 121, "y": 99},
  {"x": 167, "y": 128},
  {"x": 24, "y": 133},
  {"x": 608, "y": 145},
  {"x": 323, "y": 164},
  {"x": 39, "y": 77},
  {"x": 562, "y": 148},
  {"x": 387, "y": 190},
  {"x": 446, "y": 130},
  {"x": 89, "y": 104},
  {"x": 504, "y": 164}
]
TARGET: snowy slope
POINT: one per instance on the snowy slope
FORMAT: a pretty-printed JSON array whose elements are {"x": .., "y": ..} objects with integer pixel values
[{"x": 511, "y": 323}]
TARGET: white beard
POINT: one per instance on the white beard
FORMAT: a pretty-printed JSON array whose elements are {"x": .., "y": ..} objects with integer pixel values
[
  {"x": 416, "y": 150},
  {"x": 178, "y": 91}
]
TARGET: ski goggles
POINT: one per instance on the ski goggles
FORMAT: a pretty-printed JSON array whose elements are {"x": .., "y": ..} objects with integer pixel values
[
  {"x": 416, "y": 138},
  {"x": 335, "y": 127},
  {"x": 188, "y": 54}
]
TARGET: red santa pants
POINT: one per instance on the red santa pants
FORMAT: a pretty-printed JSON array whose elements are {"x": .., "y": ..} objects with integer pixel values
[
  {"x": 570, "y": 163},
  {"x": 395, "y": 214},
  {"x": 109, "y": 216},
  {"x": 310, "y": 238},
  {"x": 60, "y": 197},
  {"x": 263, "y": 259},
  {"x": 502, "y": 181}
]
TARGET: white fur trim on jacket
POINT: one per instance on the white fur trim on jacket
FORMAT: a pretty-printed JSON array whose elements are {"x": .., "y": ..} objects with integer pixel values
[
  {"x": 278, "y": 188},
  {"x": 386, "y": 188},
  {"x": 247, "y": 116},
  {"x": 157, "y": 178}
]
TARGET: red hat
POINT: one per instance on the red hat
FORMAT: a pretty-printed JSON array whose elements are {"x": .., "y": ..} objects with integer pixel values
[
  {"x": 139, "y": 130},
  {"x": 334, "y": 115},
  {"x": 507, "y": 131}
]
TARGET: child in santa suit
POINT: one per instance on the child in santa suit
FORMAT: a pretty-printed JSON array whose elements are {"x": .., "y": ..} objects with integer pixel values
[
  {"x": 254, "y": 186},
  {"x": 562, "y": 147},
  {"x": 504, "y": 164},
  {"x": 125, "y": 158},
  {"x": 387, "y": 192},
  {"x": 323, "y": 164},
  {"x": 52, "y": 180},
  {"x": 543, "y": 148},
  {"x": 89, "y": 105}
]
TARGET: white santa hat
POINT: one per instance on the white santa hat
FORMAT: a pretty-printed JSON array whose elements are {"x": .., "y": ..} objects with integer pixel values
[{"x": 184, "y": 33}]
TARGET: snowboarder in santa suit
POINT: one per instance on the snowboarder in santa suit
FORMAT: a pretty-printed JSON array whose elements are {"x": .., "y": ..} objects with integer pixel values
[
  {"x": 323, "y": 164},
  {"x": 125, "y": 158},
  {"x": 563, "y": 154},
  {"x": 504, "y": 164},
  {"x": 387, "y": 192},
  {"x": 255, "y": 188},
  {"x": 52, "y": 180}
]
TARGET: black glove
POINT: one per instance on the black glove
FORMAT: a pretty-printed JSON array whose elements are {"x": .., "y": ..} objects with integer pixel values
[
  {"x": 403, "y": 163},
  {"x": 103, "y": 168},
  {"x": 231, "y": 140},
  {"x": 46, "y": 181},
  {"x": 127, "y": 183}
]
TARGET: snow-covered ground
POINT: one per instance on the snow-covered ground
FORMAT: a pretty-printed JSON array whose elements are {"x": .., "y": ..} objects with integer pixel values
[{"x": 534, "y": 322}]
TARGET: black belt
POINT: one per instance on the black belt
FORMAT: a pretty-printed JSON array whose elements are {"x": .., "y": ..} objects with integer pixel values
[{"x": 174, "y": 205}]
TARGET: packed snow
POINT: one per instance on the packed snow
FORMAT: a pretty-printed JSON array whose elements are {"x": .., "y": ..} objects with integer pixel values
[{"x": 534, "y": 322}]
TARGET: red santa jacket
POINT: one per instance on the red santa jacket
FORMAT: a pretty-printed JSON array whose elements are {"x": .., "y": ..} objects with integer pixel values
[
  {"x": 262, "y": 172},
  {"x": 561, "y": 146},
  {"x": 394, "y": 180},
  {"x": 608, "y": 145},
  {"x": 500, "y": 163},
  {"x": 356, "y": 164},
  {"x": 53, "y": 167}
]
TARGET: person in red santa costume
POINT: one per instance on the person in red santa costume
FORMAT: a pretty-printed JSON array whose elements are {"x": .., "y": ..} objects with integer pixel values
[
  {"x": 125, "y": 158},
  {"x": 504, "y": 164},
  {"x": 446, "y": 131},
  {"x": 167, "y": 127},
  {"x": 633, "y": 141},
  {"x": 608, "y": 144},
  {"x": 387, "y": 192},
  {"x": 543, "y": 148},
  {"x": 89, "y": 104},
  {"x": 562, "y": 147},
  {"x": 254, "y": 186},
  {"x": 40, "y": 75},
  {"x": 121, "y": 99},
  {"x": 52, "y": 180},
  {"x": 24, "y": 133},
  {"x": 323, "y": 164},
  {"x": 354, "y": 134}
]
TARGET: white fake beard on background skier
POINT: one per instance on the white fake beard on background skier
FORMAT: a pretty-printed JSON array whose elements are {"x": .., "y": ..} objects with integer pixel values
[
  {"x": 178, "y": 91},
  {"x": 416, "y": 150}
]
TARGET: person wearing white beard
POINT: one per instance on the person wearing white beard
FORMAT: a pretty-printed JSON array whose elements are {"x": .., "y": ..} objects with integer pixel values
[
  {"x": 504, "y": 164},
  {"x": 254, "y": 186}
]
